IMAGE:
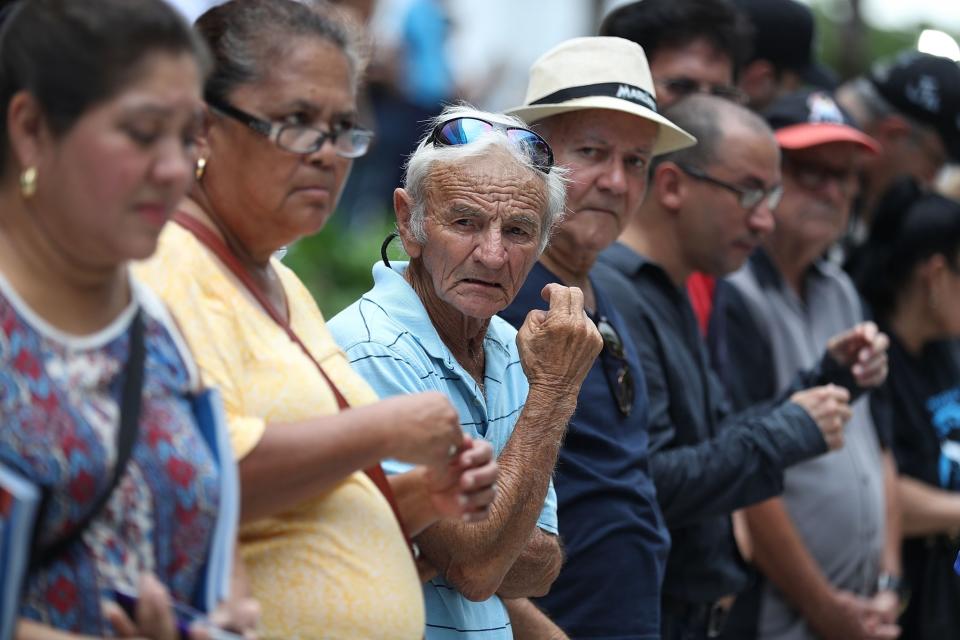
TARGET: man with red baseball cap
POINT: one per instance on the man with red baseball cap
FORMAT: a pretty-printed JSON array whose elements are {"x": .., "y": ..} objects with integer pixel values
[{"x": 828, "y": 549}]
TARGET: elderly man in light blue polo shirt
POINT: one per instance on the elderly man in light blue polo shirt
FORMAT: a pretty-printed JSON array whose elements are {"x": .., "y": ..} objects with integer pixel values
[{"x": 480, "y": 200}]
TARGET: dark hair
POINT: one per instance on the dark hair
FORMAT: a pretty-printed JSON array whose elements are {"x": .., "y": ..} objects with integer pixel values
[
  {"x": 664, "y": 24},
  {"x": 72, "y": 55},
  {"x": 707, "y": 118},
  {"x": 909, "y": 226},
  {"x": 246, "y": 36}
]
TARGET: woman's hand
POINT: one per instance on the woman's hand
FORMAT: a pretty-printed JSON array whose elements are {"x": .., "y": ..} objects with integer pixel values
[
  {"x": 154, "y": 617},
  {"x": 465, "y": 486},
  {"x": 424, "y": 428}
]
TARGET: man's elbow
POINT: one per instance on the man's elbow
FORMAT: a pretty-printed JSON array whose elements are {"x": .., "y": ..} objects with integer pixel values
[{"x": 476, "y": 581}]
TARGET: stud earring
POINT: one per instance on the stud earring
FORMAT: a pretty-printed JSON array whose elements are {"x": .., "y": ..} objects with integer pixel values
[
  {"x": 28, "y": 182},
  {"x": 201, "y": 168}
]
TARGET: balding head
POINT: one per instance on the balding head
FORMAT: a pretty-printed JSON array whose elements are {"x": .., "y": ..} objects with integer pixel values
[{"x": 711, "y": 121}]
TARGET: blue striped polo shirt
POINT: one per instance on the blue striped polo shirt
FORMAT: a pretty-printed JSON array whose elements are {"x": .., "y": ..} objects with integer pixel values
[{"x": 392, "y": 343}]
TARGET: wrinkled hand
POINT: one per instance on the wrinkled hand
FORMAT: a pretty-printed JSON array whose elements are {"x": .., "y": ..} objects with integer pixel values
[
  {"x": 862, "y": 349},
  {"x": 851, "y": 617},
  {"x": 465, "y": 486},
  {"x": 829, "y": 406},
  {"x": 425, "y": 429},
  {"x": 558, "y": 346},
  {"x": 154, "y": 617}
]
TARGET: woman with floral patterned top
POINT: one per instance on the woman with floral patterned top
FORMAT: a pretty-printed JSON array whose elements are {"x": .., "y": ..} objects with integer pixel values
[{"x": 101, "y": 102}]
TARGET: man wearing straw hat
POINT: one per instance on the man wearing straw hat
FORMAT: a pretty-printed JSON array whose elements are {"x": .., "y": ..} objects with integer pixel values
[{"x": 593, "y": 100}]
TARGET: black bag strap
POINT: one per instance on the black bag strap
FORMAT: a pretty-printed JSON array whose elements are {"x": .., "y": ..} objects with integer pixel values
[{"x": 42, "y": 555}]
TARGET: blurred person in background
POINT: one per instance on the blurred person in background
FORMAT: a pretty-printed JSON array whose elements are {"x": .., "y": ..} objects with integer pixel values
[
  {"x": 783, "y": 58},
  {"x": 480, "y": 200},
  {"x": 910, "y": 104},
  {"x": 592, "y": 99},
  {"x": 323, "y": 529},
  {"x": 101, "y": 105},
  {"x": 692, "y": 46},
  {"x": 828, "y": 550},
  {"x": 411, "y": 80},
  {"x": 709, "y": 206},
  {"x": 909, "y": 274}
]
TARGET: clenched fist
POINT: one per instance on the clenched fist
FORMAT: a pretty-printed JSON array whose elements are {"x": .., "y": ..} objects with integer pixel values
[
  {"x": 829, "y": 406},
  {"x": 558, "y": 346}
]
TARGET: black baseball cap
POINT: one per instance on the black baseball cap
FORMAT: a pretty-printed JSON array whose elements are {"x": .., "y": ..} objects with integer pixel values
[
  {"x": 783, "y": 32},
  {"x": 811, "y": 118},
  {"x": 925, "y": 88}
]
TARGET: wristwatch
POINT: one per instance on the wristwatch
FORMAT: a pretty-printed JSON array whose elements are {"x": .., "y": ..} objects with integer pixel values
[{"x": 892, "y": 582}]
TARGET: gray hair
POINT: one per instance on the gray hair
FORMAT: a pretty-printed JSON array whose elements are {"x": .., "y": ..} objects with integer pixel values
[
  {"x": 422, "y": 161},
  {"x": 248, "y": 36}
]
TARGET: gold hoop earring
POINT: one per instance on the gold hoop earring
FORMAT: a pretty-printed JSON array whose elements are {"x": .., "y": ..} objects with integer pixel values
[
  {"x": 201, "y": 168},
  {"x": 28, "y": 182}
]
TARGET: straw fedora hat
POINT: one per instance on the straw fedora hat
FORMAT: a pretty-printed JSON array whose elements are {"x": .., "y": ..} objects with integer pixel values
[{"x": 597, "y": 73}]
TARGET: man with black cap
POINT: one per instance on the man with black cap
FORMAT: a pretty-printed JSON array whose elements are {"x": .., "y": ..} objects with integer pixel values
[
  {"x": 829, "y": 548},
  {"x": 783, "y": 57},
  {"x": 911, "y": 105}
]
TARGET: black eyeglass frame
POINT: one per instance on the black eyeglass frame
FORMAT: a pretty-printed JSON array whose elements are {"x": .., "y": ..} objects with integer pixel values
[
  {"x": 273, "y": 130},
  {"x": 749, "y": 198},
  {"x": 686, "y": 86},
  {"x": 543, "y": 167}
]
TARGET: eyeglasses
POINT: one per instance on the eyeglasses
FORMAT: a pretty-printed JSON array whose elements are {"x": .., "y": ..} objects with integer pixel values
[
  {"x": 464, "y": 130},
  {"x": 348, "y": 142},
  {"x": 683, "y": 86},
  {"x": 814, "y": 177},
  {"x": 749, "y": 198},
  {"x": 621, "y": 380}
]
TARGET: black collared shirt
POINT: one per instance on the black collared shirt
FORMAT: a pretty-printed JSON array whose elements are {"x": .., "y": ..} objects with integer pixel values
[{"x": 704, "y": 463}]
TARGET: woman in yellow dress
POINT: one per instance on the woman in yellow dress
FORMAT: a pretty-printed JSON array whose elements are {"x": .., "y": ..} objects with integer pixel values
[{"x": 325, "y": 555}]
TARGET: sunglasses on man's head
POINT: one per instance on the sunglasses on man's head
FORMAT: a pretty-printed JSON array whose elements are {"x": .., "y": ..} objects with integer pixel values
[
  {"x": 467, "y": 129},
  {"x": 621, "y": 380}
]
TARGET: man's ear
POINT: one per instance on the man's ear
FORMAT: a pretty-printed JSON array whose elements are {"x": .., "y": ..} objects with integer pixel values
[
  {"x": 402, "y": 206},
  {"x": 668, "y": 188},
  {"x": 28, "y": 131}
]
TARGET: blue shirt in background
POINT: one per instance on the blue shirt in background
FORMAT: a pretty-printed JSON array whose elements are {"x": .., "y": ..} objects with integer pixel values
[
  {"x": 391, "y": 342},
  {"x": 612, "y": 531}
]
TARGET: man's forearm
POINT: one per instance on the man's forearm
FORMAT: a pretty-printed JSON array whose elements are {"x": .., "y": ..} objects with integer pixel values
[
  {"x": 535, "y": 569},
  {"x": 475, "y": 557},
  {"x": 529, "y": 623},
  {"x": 783, "y": 557},
  {"x": 927, "y": 510},
  {"x": 890, "y": 562}
]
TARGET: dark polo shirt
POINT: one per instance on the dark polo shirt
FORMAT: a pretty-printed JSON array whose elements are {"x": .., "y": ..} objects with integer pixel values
[{"x": 613, "y": 534}]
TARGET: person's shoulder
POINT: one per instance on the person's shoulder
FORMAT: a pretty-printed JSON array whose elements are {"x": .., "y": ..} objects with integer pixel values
[{"x": 612, "y": 280}]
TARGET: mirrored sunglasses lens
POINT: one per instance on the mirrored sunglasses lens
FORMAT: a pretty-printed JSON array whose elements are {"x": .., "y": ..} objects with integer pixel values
[
  {"x": 534, "y": 146},
  {"x": 461, "y": 131}
]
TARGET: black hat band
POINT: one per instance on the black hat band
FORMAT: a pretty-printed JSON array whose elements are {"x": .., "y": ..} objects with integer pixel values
[{"x": 621, "y": 90}]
